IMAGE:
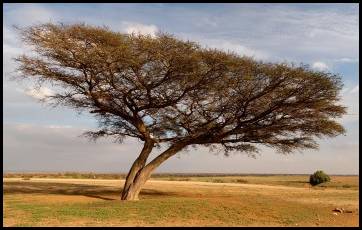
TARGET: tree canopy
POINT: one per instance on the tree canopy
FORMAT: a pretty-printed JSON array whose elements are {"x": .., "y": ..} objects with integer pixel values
[{"x": 171, "y": 90}]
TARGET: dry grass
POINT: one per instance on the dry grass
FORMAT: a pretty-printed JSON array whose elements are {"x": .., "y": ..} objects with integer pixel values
[
  {"x": 338, "y": 182},
  {"x": 85, "y": 202}
]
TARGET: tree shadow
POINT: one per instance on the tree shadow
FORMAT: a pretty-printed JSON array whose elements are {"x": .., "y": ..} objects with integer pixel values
[
  {"x": 294, "y": 181},
  {"x": 153, "y": 192},
  {"x": 99, "y": 197},
  {"x": 93, "y": 191}
]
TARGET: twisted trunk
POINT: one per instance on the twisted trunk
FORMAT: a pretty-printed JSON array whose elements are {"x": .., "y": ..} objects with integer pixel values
[{"x": 140, "y": 173}]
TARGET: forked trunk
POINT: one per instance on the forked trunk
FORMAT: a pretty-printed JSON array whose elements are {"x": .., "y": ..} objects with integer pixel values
[
  {"x": 135, "y": 186},
  {"x": 140, "y": 173},
  {"x": 134, "y": 175}
]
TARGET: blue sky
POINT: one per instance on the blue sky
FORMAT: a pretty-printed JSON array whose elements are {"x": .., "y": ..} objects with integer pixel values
[{"x": 324, "y": 36}]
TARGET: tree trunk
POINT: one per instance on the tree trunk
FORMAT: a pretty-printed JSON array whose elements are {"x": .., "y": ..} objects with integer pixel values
[
  {"x": 135, "y": 186},
  {"x": 139, "y": 173},
  {"x": 135, "y": 171}
]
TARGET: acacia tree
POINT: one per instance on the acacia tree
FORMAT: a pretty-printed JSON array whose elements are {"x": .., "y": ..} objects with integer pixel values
[{"x": 174, "y": 93}]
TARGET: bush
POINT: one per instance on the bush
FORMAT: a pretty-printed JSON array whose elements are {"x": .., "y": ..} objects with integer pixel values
[
  {"x": 217, "y": 181},
  {"x": 318, "y": 177},
  {"x": 26, "y": 177},
  {"x": 241, "y": 181},
  {"x": 179, "y": 179}
]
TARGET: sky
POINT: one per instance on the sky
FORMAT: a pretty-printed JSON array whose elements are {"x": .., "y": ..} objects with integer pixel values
[{"x": 37, "y": 137}]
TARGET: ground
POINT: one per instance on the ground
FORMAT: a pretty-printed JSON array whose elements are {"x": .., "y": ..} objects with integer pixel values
[{"x": 180, "y": 201}]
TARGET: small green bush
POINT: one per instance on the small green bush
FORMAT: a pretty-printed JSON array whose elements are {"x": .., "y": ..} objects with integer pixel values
[{"x": 318, "y": 177}]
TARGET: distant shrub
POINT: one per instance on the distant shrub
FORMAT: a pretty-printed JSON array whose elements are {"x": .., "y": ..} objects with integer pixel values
[
  {"x": 218, "y": 181},
  {"x": 26, "y": 177},
  {"x": 178, "y": 179},
  {"x": 241, "y": 181},
  {"x": 318, "y": 177},
  {"x": 122, "y": 176}
]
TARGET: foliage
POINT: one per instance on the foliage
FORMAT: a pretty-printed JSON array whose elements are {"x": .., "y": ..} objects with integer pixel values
[
  {"x": 217, "y": 180},
  {"x": 243, "y": 181},
  {"x": 174, "y": 91},
  {"x": 318, "y": 177}
]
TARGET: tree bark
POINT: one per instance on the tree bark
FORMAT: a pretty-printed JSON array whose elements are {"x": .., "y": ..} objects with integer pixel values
[
  {"x": 135, "y": 171},
  {"x": 140, "y": 173},
  {"x": 135, "y": 186}
]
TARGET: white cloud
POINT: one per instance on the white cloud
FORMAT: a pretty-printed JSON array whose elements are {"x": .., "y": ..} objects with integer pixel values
[
  {"x": 12, "y": 47},
  {"x": 355, "y": 89},
  {"x": 237, "y": 48},
  {"x": 29, "y": 14},
  {"x": 9, "y": 36},
  {"x": 10, "y": 51},
  {"x": 22, "y": 126},
  {"x": 320, "y": 66},
  {"x": 59, "y": 126},
  {"x": 227, "y": 45},
  {"x": 294, "y": 33},
  {"x": 40, "y": 93},
  {"x": 351, "y": 101},
  {"x": 348, "y": 60},
  {"x": 137, "y": 28}
]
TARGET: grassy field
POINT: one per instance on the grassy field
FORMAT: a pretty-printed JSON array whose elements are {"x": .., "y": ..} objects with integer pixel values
[{"x": 182, "y": 201}]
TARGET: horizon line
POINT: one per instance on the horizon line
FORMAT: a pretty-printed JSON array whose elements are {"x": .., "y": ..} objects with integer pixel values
[{"x": 182, "y": 173}]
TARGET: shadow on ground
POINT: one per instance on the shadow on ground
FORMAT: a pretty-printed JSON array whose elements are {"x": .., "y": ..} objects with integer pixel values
[
  {"x": 292, "y": 182},
  {"x": 93, "y": 191}
]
